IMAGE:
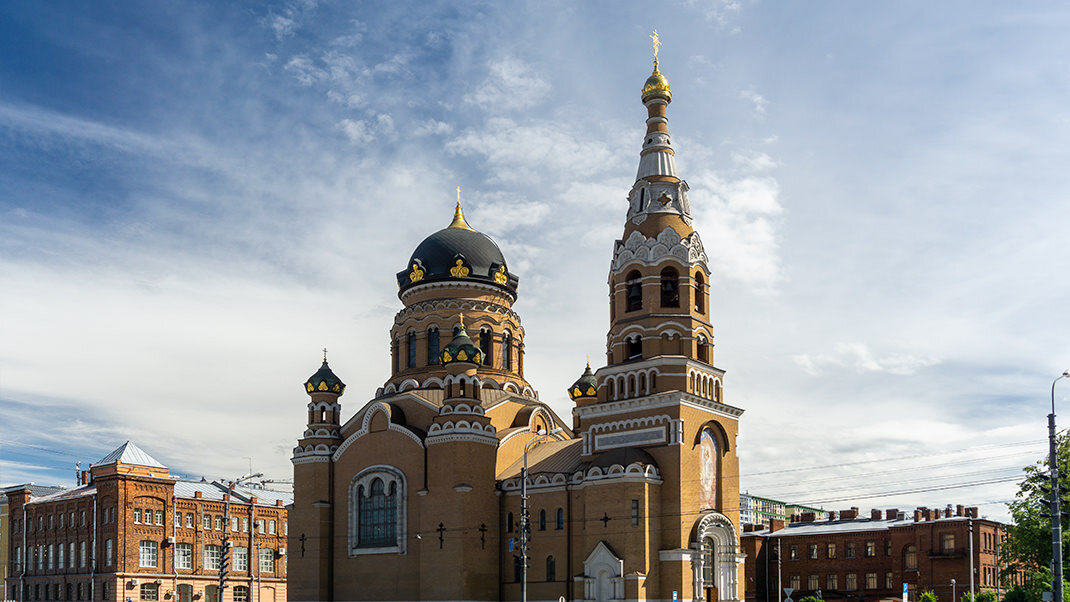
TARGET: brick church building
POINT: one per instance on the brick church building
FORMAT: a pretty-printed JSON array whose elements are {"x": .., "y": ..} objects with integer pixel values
[{"x": 416, "y": 493}]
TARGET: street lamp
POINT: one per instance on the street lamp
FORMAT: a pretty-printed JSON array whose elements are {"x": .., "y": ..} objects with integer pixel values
[
  {"x": 524, "y": 511},
  {"x": 953, "y": 599},
  {"x": 1056, "y": 511}
]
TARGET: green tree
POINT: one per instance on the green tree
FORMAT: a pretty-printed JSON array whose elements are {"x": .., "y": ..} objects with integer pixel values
[
  {"x": 811, "y": 599},
  {"x": 928, "y": 596},
  {"x": 1028, "y": 545}
]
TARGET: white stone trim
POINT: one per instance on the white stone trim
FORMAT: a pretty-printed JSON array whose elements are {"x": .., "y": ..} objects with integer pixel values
[
  {"x": 634, "y": 438},
  {"x": 451, "y": 437},
  {"x": 366, "y": 423},
  {"x": 662, "y": 400},
  {"x": 389, "y": 474},
  {"x": 438, "y": 284}
]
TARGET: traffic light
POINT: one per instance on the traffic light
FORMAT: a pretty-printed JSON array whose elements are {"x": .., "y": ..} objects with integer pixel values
[{"x": 224, "y": 564}]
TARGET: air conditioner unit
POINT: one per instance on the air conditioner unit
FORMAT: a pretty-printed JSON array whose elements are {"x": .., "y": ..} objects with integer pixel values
[
  {"x": 158, "y": 582},
  {"x": 282, "y": 551},
  {"x": 171, "y": 539},
  {"x": 133, "y": 582}
]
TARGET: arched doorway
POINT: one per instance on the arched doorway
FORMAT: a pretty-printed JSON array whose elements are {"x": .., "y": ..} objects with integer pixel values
[{"x": 715, "y": 559}]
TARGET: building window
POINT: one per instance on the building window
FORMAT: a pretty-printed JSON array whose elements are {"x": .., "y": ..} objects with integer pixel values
[
  {"x": 509, "y": 523},
  {"x": 241, "y": 559},
  {"x": 551, "y": 569},
  {"x": 887, "y": 547},
  {"x": 147, "y": 554},
  {"x": 207, "y": 521},
  {"x": 104, "y": 590},
  {"x": 410, "y": 346},
  {"x": 432, "y": 345},
  {"x": 109, "y": 552},
  {"x": 947, "y": 542},
  {"x": 871, "y": 549},
  {"x": 702, "y": 349},
  {"x": 83, "y": 557},
  {"x": 245, "y": 524},
  {"x": 241, "y": 593},
  {"x": 486, "y": 345},
  {"x": 793, "y": 553},
  {"x": 234, "y": 523},
  {"x": 189, "y": 522},
  {"x": 271, "y": 527},
  {"x": 259, "y": 525},
  {"x": 635, "y": 513},
  {"x": 377, "y": 511},
  {"x": 811, "y": 553},
  {"x": 268, "y": 560},
  {"x": 183, "y": 556},
  {"x": 507, "y": 351},
  {"x": 830, "y": 550},
  {"x": 218, "y": 523},
  {"x": 159, "y": 517},
  {"x": 832, "y": 582},
  {"x": 812, "y": 582},
  {"x": 634, "y": 295},
  {"x": 670, "y": 288},
  {"x": 542, "y": 519},
  {"x": 560, "y": 519},
  {"x": 185, "y": 592},
  {"x": 700, "y": 293},
  {"x": 871, "y": 580},
  {"x": 910, "y": 558},
  {"x": 212, "y": 555},
  {"x": 849, "y": 549},
  {"x": 796, "y": 582},
  {"x": 59, "y": 559},
  {"x": 150, "y": 591},
  {"x": 137, "y": 516},
  {"x": 889, "y": 583},
  {"x": 51, "y": 556},
  {"x": 851, "y": 582},
  {"x": 634, "y": 351},
  {"x": 211, "y": 593}
]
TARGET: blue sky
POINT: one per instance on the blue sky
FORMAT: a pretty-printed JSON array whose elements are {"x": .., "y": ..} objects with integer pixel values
[{"x": 195, "y": 198}]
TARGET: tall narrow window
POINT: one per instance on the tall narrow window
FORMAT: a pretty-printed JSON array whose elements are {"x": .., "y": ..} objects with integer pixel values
[
  {"x": 634, "y": 348},
  {"x": 378, "y": 515},
  {"x": 670, "y": 288},
  {"x": 432, "y": 345},
  {"x": 700, "y": 293},
  {"x": 410, "y": 346},
  {"x": 486, "y": 345},
  {"x": 560, "y": 519},
  {"x": 634, "y": 294},
  {"x": 708, "y": 554},
  {"x": 635, "y": 513},
  {"x": 395, "y": 352},
  {"x": 507, "y": 351},
  {"x": 185, "y": 592},
  {"x": 910, "y": 558},
  {"x": 542, "y": 519},
  {"x": 509, "y": 523},
  {"x": 551, "y": 569},
  {"x": 703, "y": 349}
]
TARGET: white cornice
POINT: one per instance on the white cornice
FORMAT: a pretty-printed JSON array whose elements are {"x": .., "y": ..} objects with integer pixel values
[{"x": 661, "y": 400}]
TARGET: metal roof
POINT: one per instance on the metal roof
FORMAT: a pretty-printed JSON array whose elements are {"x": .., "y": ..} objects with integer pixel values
[
  {"x": 83, "y": 491},
  {"x": 129, "y": 453},
  {"x": 845, "y": 526}
]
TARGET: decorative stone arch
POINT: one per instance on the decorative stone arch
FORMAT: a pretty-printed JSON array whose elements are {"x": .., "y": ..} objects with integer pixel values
[
  {"x": 389, "y": 475},
  {"x": 512, "y": 388},
  {"x": 408, "y": 383},
  {"x": 603, "y": 575},
  {"x": 715, "y": 559},
  {"x": 432, "y": 383}
]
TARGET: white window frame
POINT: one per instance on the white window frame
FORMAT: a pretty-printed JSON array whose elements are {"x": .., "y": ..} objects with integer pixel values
[
  {"x": 213, "y": 555},
  {"x": 83, "y": 558},
  {"x": 108, "y": 552},
  {"x": 148, "y": 554},
  {"x": 267, "y": 560},
  {"x": 240, "y": 559},
  {"x": 183, "y": 556}
]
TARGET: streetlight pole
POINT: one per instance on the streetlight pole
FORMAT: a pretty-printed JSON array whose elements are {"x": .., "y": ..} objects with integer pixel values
[
  {"x": 524, "y": 522},
  {"x": 953, "y": 599},
  {"x": 1056, "y": 511}
]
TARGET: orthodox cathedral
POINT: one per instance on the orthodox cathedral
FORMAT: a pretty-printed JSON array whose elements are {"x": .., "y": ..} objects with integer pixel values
[{"x": 421, "y": 495}]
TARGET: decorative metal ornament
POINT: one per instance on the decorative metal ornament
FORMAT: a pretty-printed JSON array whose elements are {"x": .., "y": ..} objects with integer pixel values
[
  {"x": 416, "y": 274},
  {"x": 458, "y": 270},
  {"x": 500, "y": 276},
  {"x": 446, "y": 357},
  {"x": 323, "y": 385}
]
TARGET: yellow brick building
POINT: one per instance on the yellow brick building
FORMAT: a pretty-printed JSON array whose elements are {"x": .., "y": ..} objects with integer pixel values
[{"x": 418, "y": 494}]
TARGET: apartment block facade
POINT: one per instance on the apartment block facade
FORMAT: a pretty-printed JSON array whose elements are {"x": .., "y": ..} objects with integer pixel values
[{"x": 132, "y": 532}]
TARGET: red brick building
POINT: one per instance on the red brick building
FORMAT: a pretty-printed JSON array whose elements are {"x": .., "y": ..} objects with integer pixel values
[
  {"x": 845, "y": 556},
  {"x": 132, "y": 532}
]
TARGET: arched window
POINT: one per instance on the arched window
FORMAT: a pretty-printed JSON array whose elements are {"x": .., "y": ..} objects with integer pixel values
[
  {"x": 432, "y": 345},
  {"x": 707, "y": 564},
  {"x": 411, "y": 345},
  {"x": 509, "y": 523},
  {"x": 211, "y": 593},
  {"x": 653, "y": 381},
  {"x": 395, "y": 353},
  {"x": 551, "y": 569},
  {"x": 642, "y": 385},
  {"x": 634, "y": 288},
  {"x": 486, "y": 345},
  {"x": 910, "y": 558},
  {"x": 670, "y": 288},
  {"x": 377, "y": 511},
  {"x": 507, "y": 351},
  {"x": 703, "y": 349},
  {"x": 634, "y": 348},
  {"x": 700, "y": 293},
  {"x": 542, "y": 519},
  {"x": 185, "y": 592},
  {"x": 631, "y": 386},
  {"x": 642, "y": 198},
  {"x": 717, "y": 392},
  {"x": 560, "y": 519},
  {"x": 612, "y": 389}
]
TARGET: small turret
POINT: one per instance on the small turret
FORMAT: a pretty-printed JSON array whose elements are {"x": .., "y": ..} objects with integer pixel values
[
  {"x": 461, "y": 350},
  {"x": 324, "y": 380},
  {"x": 586, "y": 388}
]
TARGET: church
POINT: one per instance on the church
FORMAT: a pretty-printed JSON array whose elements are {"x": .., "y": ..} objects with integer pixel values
[{"x": 421, "y": 494}]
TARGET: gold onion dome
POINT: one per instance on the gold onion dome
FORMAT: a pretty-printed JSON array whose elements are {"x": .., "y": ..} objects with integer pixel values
[
  {"x": 656, "y": 85},
  {"x": 461, "y": 349},
  {"x": 324, "y": 381},
  {"x": 457, "y": 253},
  {"x": 586, "y": 386}
]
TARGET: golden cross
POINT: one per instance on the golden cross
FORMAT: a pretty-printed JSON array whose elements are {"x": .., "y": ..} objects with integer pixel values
[
  {"x": 657, "y": 45},
  {"x": 458, "y": 195},
  {"x": 324, "y": 354},
  {"x": 461, "y": 315}
]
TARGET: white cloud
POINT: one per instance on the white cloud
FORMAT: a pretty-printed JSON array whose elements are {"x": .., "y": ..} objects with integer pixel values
[
  {"x": 356, "y": 130},
  {"x": 510, "y": 86},
  {"x": 758, "y": 102},
  {"x": 859, "y": 357},
  {"x": 432, "y": 127},
  {"x": 304, "y": 70}
]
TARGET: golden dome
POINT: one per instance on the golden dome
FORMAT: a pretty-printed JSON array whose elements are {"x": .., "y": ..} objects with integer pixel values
[{"x": 656, "y": 85}]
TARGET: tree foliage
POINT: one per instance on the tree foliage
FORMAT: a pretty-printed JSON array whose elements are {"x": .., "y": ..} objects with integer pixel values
[
  {"x": 928, "y": 596},
  {"x": 1028, "y": 545}
]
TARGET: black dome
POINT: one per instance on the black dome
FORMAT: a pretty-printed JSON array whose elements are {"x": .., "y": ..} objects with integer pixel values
[{"x": 437, "y": 257}]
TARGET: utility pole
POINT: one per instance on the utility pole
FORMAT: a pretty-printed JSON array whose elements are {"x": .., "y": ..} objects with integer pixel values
[
  {"x": 224, "y": 558},
  {"x": 972, "y": 598},
  {"x": 525, "y": 523},
  {"x": 1056, "y": 511}
]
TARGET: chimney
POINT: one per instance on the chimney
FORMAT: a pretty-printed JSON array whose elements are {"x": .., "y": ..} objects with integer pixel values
[
  {"x": 917, "y": 515},
  {"x": 807, "y": 517},
  {"x": 972, "y": 511},
  {"x": 252, "y": 499},
  {"x": 891, "y": 513},
  {"x": 198, "y": 494},
  {"x": 775, "y": 524},
  {"x": 832, "y": 515},
  {"x": 749, "y": 528},
  {"x": 960, "y": 510},
  {"x": 278, "y": 503},
  {"x": 874, "y": 514},
  {"x": 848, "y": 514}
]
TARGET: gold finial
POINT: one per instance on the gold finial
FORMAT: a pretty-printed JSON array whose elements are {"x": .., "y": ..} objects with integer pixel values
[
  {"x": 461, "y": 317},
  {"x": 324, "y": 354},
  {"x": 458, "y": 215},
  {"x": 588, "y": 361},
  {"x": 657, "y": 45}
]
